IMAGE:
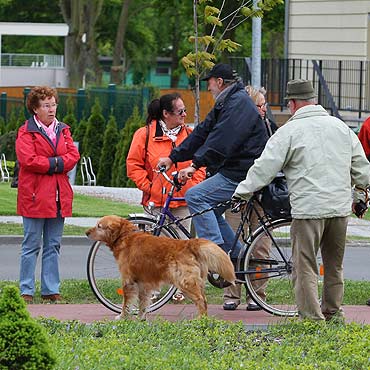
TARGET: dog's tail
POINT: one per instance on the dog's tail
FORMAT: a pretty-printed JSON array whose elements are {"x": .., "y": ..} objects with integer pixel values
[{"x": 217, "y": 260}]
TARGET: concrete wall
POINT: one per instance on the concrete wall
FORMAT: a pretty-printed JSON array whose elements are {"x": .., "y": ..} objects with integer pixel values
[
  {"x": 328, "y": 29},
  {"x": 27, "y": 76}
]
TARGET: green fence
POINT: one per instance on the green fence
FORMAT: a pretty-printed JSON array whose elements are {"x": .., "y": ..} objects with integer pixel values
[{"x": 117, "y": 101}]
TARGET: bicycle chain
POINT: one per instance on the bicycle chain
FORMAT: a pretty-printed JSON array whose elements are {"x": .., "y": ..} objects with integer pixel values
[{"x": 218, "y": 205}]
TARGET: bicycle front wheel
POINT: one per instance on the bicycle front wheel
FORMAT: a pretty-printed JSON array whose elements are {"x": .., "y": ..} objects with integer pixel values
[
  {"x": 268, "y": 269},
  {"x": 105, "y": 279}
]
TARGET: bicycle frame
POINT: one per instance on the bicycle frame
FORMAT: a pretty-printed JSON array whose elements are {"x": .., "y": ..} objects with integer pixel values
[{"x": 250, "y": 207}]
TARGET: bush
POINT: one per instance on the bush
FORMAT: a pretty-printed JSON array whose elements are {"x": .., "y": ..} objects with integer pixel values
[
  {"x": 2, "y": 126},
  {"x": 70, "y": 118},
  {"x": 107, "y": 154},
  {"x": 120, "y": 178},
  {"x": 23, "y": 342},
  {"x": 7, "y": 145},
  {"x": 93, "y": 139}
]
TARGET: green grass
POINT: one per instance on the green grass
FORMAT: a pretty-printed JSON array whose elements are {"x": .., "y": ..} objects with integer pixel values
[
  {"x": 78, "y": 291},
  {"x": 17, "y": 229},
  {"x": 83, "y": 206},
  {"x": 207, "y": 343}
]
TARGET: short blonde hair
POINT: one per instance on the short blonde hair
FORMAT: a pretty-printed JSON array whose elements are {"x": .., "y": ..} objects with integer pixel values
[{"x": 254, "y": 93}]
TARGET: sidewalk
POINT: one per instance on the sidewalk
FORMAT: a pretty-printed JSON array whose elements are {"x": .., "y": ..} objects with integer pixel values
[
  {"x": 88, "y": 313},
  {"x": 356, "y": 226}
]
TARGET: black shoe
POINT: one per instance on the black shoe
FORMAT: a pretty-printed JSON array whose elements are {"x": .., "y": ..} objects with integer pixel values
[
  {"x": 253, "y": 307},
  {"x": 230, "y": 306},
  {"x": 368, "y": 302}
]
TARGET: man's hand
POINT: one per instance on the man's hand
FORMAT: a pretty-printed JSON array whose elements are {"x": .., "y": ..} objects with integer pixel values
[
  {"x": 186, "y": 174},
  {"x": 359, "y": 208},
  {"x": 165, "y": 162}
]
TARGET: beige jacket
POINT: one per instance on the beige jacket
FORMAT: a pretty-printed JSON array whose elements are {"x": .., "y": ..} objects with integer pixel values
[{"x": 322, "y": 159}]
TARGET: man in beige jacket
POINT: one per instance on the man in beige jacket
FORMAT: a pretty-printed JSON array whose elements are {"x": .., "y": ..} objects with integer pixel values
[{"x": 322, "y": 159}]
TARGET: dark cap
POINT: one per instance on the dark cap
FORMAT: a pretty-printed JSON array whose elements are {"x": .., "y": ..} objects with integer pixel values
[
  {"x": 223, "y": 71},
  {"x": 300, "y": 89}
]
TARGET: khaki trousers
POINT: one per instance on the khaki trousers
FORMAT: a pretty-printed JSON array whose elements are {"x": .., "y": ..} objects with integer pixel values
[
  {"x": 307, "y": 237},
  {"x": 233, "y": 293}
]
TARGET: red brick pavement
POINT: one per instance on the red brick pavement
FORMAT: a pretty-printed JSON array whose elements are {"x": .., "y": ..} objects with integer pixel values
[{"x": 88, "y": 313}]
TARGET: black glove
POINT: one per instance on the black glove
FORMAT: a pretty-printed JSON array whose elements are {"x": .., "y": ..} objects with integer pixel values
[{"x": 360, "y": 208}]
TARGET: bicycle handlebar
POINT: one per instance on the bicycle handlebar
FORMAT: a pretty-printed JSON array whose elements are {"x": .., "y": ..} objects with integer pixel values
[{"x": 175, "y": 180}]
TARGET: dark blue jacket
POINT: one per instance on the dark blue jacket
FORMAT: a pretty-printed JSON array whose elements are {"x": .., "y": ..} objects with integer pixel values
[{"x": 230, "y": 138}]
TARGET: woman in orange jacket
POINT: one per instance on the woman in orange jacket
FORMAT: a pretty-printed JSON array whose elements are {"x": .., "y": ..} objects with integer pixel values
[{"x": 165, "y": 129}]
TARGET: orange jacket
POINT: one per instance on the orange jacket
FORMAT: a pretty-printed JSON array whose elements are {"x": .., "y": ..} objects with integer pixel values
[{"x": 140, "y": 171}]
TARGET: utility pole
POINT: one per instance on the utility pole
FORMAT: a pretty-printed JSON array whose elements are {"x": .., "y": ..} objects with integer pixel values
[{"x": 256, "y": 49}]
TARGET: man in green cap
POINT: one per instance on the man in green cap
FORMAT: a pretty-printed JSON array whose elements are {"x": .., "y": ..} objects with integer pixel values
[{"x": 321, "y": 158}]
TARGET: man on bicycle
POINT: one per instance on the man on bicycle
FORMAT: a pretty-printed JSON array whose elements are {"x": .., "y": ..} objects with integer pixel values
[
  {"x": 321, "y": 158},
  {"x": 230, "y": 138}
]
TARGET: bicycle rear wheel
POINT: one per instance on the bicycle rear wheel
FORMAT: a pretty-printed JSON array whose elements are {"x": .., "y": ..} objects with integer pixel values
[
  {"x": 268, "y": 269},
  {"x": 105, "y": 279}
]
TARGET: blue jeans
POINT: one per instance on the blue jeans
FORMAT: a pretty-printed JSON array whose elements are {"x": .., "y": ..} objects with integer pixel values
[
  {"x": 211, "y": 225},
  {"x": 50, "y": 230}
]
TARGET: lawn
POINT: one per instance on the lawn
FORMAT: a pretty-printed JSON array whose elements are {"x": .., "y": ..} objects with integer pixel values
[
  {"x": 207, "y": 343},
  {"x": 83, "y": 206}
]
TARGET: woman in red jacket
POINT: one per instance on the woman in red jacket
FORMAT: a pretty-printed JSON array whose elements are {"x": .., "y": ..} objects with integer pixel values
[
  {"x": 45, "y": 152},
  {"x": 165, "y": 129}
]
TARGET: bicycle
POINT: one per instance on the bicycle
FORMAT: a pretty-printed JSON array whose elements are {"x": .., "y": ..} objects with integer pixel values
[{"x": 275, "y": 271}]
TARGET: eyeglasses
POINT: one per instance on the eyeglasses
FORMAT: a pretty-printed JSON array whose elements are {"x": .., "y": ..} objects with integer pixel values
[
  {"x": 48, "y": 106},
  {"x": 261, "y": 105},
  {"x": 180, "y": 112}
]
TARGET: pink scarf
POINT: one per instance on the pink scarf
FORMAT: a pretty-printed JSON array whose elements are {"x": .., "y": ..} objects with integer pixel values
[{"x": 49, "y": 130}]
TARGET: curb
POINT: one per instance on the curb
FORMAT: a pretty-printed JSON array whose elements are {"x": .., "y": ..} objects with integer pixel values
[{"x": 83, "y": 240}]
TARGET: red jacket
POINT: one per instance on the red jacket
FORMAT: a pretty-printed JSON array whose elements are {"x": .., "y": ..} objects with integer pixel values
[
  {"x": 43, "y": 171},
  {"x": 141, "y": 171},
  {"x": 364, "y": 137}
]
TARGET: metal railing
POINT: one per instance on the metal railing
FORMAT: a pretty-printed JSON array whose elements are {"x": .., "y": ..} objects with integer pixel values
[
  {"x": 88, "y": 175},
  {"x": 4, "y": 173},
  {"x": 32, "y": 60},
  {"x": 340, "y": 85}
]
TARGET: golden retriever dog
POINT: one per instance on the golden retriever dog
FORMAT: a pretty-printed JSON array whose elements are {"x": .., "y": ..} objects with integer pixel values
[{"x": 146, "y": 262}]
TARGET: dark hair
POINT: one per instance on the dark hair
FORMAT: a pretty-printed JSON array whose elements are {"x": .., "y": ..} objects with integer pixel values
[
  {"x": 156, "y": 106},
  {"x": 39, "y": 93}
]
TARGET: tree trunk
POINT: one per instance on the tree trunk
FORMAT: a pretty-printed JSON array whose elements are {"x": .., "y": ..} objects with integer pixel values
[
  {"x": 117, "y": 65},
  {"x": 81, "y": 54}
]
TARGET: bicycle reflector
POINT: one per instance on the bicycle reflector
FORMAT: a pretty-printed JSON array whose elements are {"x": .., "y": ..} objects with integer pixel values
[{"x": 120, "y": 291}]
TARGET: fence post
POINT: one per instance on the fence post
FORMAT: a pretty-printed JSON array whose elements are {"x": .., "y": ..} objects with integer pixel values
[
  {"x": 81, "y": 100},
  {"x": 3, "y": 100},
  {"x": 111, "y": 98},
  {"x": 26, "y": 91}
]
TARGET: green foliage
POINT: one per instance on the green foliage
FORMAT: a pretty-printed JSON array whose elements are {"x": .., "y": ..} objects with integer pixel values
[
  {"x": 79, "y": 134},
  {"x": 2, "y": 126},
  {"x": 23, "y": 342},
  {"x": 12, "y": 124},
  {"x": 119, "y": 178},
  {"x": 224, "y": 21},
  {"x": 21, "y": 118},
  {"x": 108, "y": 152},
  {"x": 70, "y": 119},
  {"x": 93, "y": 139},
  {"x": 7, "y": 145},
  {"x": 208, "y": 343}
]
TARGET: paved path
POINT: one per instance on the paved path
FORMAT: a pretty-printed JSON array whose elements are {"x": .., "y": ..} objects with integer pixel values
[
  {"x": 356, "y": 227},
  {"x": 88, "y": 313}
]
